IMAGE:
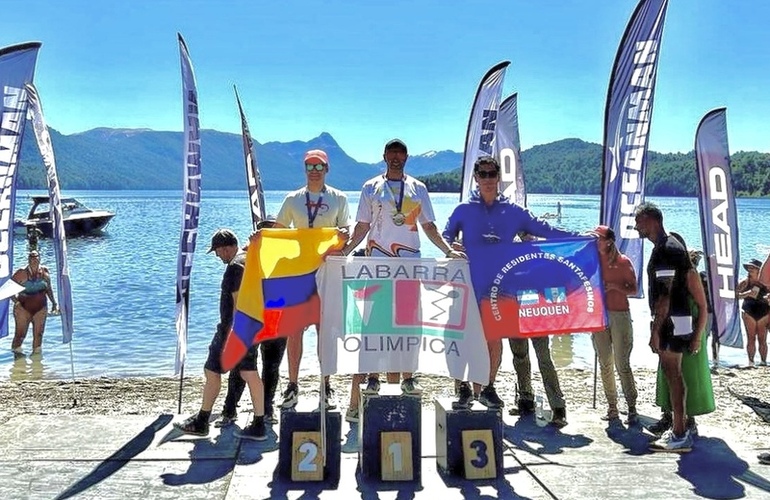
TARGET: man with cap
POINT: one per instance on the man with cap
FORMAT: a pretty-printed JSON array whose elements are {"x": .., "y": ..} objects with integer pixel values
[
  {"x": 613, "y": 345},
  {"x": 315, "y": 205},
  {"x": 272, "y": 355},
  {"x": 225, "y": 244},
  {"x": 755, "y": 310},
  {"x": 673, "y": 331},
  {"x": 390, "y": 209}
]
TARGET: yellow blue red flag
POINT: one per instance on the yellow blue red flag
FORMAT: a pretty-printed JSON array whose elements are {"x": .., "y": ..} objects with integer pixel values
[{"x": 278, "y": 295}]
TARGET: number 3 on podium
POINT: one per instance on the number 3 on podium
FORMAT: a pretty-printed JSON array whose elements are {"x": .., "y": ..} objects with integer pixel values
[
  {"x": 306, "y": 458},
  {"x": 396, "y": 456},
  {"x": 479, "y": 454}
]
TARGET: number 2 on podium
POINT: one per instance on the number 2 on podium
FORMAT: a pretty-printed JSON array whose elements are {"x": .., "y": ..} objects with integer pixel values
[{"x": 306, "y": 459}]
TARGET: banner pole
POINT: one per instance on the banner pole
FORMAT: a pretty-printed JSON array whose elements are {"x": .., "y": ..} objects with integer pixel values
[
  {"x": 72, "y": 370},
  {"x": 596, "y": 363},
  {"x": 181, "y": 383}
]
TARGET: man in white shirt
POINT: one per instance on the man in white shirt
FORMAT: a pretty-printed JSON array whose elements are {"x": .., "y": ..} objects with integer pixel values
[
  {"x": 312, "y": 206},
  {"x": 391, "y": 208}
]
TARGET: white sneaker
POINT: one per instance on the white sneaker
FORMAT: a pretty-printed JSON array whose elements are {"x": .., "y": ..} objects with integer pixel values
[{"x": 671, "y": 443}]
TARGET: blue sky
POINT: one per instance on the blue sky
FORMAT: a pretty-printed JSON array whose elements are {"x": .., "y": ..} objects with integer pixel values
[{"x": 368, "y": 70}]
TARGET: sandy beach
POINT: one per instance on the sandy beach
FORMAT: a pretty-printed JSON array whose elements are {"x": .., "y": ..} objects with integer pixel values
[{"x": 152, "y": 396}]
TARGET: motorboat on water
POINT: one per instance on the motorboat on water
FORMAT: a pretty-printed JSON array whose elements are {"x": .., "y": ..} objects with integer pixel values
[{"x": 79, "y": 220}]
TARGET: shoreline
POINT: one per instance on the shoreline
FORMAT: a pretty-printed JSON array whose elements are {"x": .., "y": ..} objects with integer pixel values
[{"x": 159, "y": 395}]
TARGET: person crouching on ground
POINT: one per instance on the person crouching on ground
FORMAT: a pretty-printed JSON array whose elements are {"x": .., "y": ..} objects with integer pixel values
[{"x": 225, "y": 245}]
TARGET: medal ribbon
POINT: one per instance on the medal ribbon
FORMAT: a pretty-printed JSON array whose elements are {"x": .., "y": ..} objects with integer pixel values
[
  {"x": 400, "y": 202},
  {"x": 311, "y": 216}
]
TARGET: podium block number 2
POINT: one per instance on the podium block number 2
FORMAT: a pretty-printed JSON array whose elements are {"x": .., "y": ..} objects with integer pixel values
[
  {"x": 306, "y": 458},
  {"x": 396, "y": 456},
  {"x": 479, "y": 454}
]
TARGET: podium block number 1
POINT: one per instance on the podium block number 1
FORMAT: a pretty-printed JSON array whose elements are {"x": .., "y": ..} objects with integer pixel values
[
  {"x": 479, "y": 454},
  {"x": 306, "y": 457},
  {"x": 396, "y": 456}
]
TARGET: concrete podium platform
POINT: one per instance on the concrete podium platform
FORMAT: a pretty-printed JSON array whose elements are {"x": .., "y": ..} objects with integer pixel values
[{"x": 135, "y": 456}]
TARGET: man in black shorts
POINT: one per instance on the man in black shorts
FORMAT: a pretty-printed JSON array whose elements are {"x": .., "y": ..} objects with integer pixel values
[
  {"x": 272, "y": 355},
  {"x": 672, "y": 279},
  {"x": 225, "y": 244}
]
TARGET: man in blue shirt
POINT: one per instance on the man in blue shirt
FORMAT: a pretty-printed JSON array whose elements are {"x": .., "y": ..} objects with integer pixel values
[{"x": 485, "y": 219}]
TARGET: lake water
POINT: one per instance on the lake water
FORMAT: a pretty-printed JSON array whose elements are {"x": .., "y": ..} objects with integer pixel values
[{"x": 124, "y": 281}]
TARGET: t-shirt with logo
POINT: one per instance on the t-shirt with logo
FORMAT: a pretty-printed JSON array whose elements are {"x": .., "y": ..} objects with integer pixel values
[
  {"x": 377, "y": 207},
  {"x": 332, "y": 207},
  {"x": 669, "y": 259}
]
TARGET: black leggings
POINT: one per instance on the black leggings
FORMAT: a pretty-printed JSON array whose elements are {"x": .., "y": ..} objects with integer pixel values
[{"x": 272, "y": 355}]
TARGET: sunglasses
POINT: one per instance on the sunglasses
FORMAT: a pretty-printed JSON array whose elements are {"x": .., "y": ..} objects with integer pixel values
[
  {"x": 487, "y": 174},
  {"x": 314, "y": 166}
]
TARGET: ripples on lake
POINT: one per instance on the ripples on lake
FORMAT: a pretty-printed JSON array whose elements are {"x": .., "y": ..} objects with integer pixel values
[{"x": 124, "y": 282}]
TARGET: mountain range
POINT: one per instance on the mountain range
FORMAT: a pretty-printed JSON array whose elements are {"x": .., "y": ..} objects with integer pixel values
[{"x": 107, "y": 158}]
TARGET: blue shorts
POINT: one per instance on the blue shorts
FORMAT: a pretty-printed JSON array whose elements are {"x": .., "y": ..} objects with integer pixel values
[{"x": 214, "y": 361}]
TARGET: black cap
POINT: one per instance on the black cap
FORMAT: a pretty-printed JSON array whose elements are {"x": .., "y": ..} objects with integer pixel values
[
  {"x": 752, "y": 263},
  {"x": 396, "y": 143},
  {"x": 268, "y": 222},
  {"x": 222, "y": 238}
]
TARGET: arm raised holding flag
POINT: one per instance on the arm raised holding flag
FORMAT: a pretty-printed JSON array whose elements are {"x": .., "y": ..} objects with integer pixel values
[{"x": 488, "y": 223}]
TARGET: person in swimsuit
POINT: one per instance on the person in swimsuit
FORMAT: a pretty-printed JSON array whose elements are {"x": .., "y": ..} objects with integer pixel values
[
  {"x": 30, "y": 306},
  {"x": 755, "y": 311}
]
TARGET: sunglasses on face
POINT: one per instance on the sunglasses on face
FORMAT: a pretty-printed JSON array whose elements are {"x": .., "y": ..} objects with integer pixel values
[
  {"x": 314, "y": 166},
  {"x": 487, "y": 174}
]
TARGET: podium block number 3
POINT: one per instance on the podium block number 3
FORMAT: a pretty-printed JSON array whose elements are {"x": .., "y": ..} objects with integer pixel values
[
  {"x": 306, "y": 458},
  {"x": 396, "y": 456},
  {"x": 479, "y": 454}
]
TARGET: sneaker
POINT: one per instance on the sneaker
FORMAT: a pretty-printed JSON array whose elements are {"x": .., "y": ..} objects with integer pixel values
[
  {"x": 330, "y": 404},
  {"x": 464, "y": 397},
  {"x": 372, "y": 386},
  {"x": 290, "y": 396},
  {"x": 489, "y": 398},
  {"x": 692, "y": 427},
  {"x": 411, "y": 387},
  {"x": 559, "y": 419},
  {"x": 226, "y": 420},
  {"x": 193, "y": 425},
  {"x": 525, "y": 407},
  {"x": 764, "y": 458},
  {"x": 352, "y": 415},
  {"x": 672, "y": 443},
  {"x": 270, "y": 417},
  {"x": 665, "y": 423},
  {"x": 254, "y": 431}
]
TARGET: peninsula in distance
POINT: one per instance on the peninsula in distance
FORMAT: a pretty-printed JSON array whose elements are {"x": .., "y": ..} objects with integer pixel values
[{"x": 143, "y": 159}]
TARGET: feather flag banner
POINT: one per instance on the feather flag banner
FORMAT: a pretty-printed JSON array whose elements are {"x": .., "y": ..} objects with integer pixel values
[
  {"x": 64, "y": 286},
  {"x": 191, "y": 202},
  {"x": 17, "y": 68}
]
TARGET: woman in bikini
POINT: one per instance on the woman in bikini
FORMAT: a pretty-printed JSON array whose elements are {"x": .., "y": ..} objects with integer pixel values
[
  {"x": 30, "y": 306},
  {"x": 755, "y": 311}
]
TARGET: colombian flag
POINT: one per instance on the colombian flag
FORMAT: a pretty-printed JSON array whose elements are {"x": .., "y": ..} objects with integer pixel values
[{"x": 278, "y": 295}]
